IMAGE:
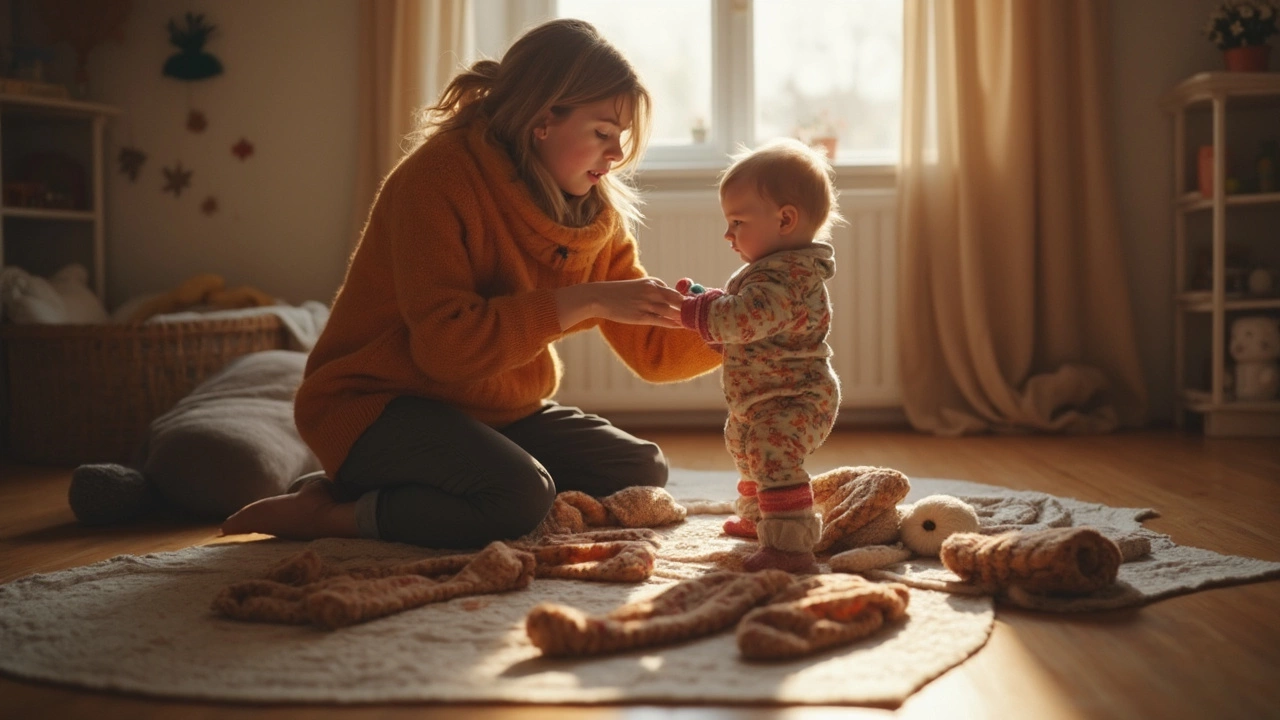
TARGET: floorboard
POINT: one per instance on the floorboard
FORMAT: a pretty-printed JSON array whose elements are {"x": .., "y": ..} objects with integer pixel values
[{"x": 1214, "y": 653}]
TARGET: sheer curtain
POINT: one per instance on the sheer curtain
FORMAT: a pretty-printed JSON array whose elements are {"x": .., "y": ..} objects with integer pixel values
[
  {"x": 1014, "y": 310},
  {"x": 409, "y": 49}
]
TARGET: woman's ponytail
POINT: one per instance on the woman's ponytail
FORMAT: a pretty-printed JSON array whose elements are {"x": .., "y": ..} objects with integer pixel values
[{"x": 460, "y": 100}]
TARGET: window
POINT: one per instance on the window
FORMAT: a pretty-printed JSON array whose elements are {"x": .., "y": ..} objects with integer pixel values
[{"x": 730, "y": 72}]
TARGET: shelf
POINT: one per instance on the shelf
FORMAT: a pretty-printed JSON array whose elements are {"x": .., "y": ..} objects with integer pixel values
[
  {"x": 1202, "y": 301},
  {"x": 1204, "y": 87},
  {"x": 59, "y": 105},
  {"x": 1193, "y": 201},
  {"x": 1201, "y": 401},
  {"x": 49, "y": 214}
]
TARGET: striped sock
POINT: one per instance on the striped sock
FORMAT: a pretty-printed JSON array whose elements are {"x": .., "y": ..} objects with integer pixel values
[{"x": 786, "y": 499}]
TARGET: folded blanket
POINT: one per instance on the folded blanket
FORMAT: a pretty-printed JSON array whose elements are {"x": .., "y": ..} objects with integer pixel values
[{"x": 304, "y": 322}]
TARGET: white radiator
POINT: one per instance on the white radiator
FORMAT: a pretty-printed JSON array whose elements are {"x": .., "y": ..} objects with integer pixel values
[{"x": 683, "y": 237}]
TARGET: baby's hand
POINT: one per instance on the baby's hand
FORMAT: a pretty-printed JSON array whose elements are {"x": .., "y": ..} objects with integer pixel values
[{"x": 801, "y": 563}]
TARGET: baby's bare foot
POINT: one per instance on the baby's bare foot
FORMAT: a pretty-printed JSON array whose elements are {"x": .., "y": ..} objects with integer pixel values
[
  {"x": 307, "y": 514},
  {"x": 802, "y": 563}
]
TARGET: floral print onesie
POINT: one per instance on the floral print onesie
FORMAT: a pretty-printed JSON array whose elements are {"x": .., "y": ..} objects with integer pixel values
[{"x": 772, "y": 322}]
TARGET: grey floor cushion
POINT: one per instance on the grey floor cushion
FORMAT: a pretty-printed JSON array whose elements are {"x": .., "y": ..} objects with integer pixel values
[{"x": 228, "y": 443}]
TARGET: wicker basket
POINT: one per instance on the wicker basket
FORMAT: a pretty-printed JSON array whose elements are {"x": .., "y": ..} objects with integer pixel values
[{"x": 86, "y": 393}]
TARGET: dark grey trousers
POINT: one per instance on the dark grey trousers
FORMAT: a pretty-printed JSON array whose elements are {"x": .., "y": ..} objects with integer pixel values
[{"x": 427, "y": 474}]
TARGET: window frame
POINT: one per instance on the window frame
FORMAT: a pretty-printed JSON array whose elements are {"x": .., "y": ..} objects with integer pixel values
[{"x": 733, "y": 101}]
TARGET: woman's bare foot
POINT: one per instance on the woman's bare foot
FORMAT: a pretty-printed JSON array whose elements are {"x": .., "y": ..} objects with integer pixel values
[
  {"x": 802, "y": 563},
  {"x": 307, "y": 514}
]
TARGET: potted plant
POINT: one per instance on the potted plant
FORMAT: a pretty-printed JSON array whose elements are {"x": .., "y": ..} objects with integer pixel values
[
  {"x": 1240, "y": 28},
  {"x": 699, "y": 131},
  {"x": 823, "y": 133}
]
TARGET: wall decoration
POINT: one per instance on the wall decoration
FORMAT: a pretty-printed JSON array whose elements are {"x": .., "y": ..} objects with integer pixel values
[
  {"x": 176, "y": 179},
  {"x": 196, "y": 121},
  {"x": 131, "y": 160},
  {"x": 242, "y": 149},
  {"x": 191, "y": 62},
  {"x": 209, "y": 206}
]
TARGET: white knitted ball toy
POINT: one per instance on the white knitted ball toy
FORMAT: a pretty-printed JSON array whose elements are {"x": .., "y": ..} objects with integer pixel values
[{"x": 933, "y": 519}]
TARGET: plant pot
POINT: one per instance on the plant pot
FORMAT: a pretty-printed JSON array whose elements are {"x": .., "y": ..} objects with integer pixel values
[
  {"x": 1204, "y": 170},
  {"x": 828, "y": 146},
  {"x": 1251, "y": 58}
]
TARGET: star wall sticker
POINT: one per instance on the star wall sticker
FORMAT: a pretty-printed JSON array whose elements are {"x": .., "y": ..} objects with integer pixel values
[
  {"x": 209, "y": 206},
  {"x": 196, "y": 121},
  {"x": 131, "y": 160},
  {"x": 242, "y": 149},
  {"x": 176, "y": 179}
]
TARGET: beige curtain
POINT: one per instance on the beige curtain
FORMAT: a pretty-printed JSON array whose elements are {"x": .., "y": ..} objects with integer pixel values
[
  {"x": 1014, "y": 309},
  {"x": 409, "y": 49}
]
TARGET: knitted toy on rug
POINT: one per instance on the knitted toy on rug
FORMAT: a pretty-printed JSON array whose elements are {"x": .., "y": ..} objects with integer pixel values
[
  {"x": 638, "y": 506},
  {"x": 819, "y": 612},
  {"x": 625, "y": 555},
  {"x": 922, "y": 528},
  {"x": 799, "y": 617},
  {"x": 687, "y": 610},
  {"x": 302, "y": 590},
  {"x": 858, "y": 506},
  {"x": 1071, "y": 561},
  {"x": 1030, "y": 568}
]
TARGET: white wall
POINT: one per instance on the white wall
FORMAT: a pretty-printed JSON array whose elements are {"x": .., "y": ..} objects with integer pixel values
[
  {"x": 1155, "y": 44},
  {"x": 289, "y": 87}
]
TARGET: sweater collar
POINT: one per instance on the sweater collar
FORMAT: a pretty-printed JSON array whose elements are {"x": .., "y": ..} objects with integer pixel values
[{"x": 557, "y": 246}]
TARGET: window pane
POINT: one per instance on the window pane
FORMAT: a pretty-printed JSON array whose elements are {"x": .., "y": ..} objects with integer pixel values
[
  {"x": 830, "y": 68},
  {"x": 669, "y": 43}
]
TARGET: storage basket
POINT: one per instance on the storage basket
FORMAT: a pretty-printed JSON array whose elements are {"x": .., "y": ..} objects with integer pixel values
[{"x": 86, "y": 393}]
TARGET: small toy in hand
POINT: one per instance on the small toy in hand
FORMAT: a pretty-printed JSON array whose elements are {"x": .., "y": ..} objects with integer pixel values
[{"x": 688, "y": 287}]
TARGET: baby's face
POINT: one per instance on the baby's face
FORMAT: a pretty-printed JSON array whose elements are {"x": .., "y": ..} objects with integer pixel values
[{"x": 752, "y": 222}]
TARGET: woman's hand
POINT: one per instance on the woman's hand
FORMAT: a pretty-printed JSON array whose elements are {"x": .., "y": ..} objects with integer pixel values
[{"x": 643, "y": 301}]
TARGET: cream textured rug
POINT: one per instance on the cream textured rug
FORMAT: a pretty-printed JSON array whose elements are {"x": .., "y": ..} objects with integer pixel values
[{"x": 143, "y": 624}]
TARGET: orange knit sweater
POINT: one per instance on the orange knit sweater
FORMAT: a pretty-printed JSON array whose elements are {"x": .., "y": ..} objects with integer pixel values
[{"x": 450, "y": 296}]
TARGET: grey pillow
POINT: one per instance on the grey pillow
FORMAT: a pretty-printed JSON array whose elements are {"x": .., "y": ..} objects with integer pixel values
[{"x": 230, "y": 442}]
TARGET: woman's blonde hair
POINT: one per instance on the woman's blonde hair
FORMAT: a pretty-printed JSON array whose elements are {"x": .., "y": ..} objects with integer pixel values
[
  {"x": 553, "y": 68},
  {"x": 788, "y": 172}
]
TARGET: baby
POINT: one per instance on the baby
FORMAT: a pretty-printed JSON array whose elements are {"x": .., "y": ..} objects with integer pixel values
[{"x": 772, "y": 321}]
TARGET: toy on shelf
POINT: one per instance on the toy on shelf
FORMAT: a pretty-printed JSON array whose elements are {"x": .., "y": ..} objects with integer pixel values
[{"x": 1255, "y": 346}]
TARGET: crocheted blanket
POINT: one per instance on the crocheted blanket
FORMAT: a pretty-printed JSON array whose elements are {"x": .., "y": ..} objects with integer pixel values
[{"x": 145, "y": 624}]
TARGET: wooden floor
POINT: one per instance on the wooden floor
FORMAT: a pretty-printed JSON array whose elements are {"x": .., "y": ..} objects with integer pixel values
[{"x": 1211, "y": 654}]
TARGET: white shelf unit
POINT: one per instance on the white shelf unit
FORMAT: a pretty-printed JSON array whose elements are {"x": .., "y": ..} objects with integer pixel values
[
  {"x": 1220, "y": 94},
  {"x": 42, "y": 239}
]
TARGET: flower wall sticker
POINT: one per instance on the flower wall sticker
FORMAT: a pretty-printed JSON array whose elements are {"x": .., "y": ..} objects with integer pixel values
[
  {"x": 209, "y": 206},
  {"x": 131, "y": 160},
  {"x": 176, "y": 179},
  {"x": 191, "y": 62},
  {"x": 242, "y": 149},
  {"x": 196, "y": 121}
]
